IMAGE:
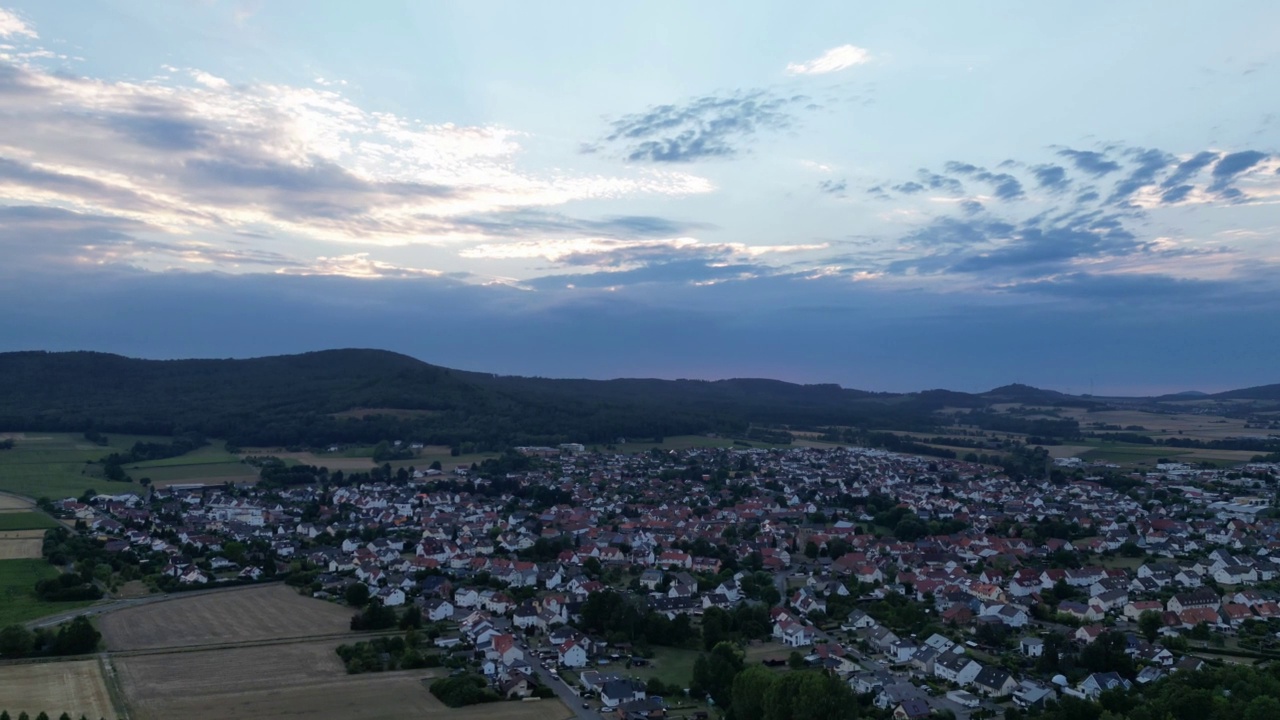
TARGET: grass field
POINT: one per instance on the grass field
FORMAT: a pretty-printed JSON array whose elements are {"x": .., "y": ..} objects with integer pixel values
[
  {"x": 26, "y": 521},
  {"x": 18, "y": 602},
  {"x": 254, "y": 613},
  {"x": 54, "y": 465},
  {"x": 76, "y": 688},
  {"x": 670, "y": 665}
]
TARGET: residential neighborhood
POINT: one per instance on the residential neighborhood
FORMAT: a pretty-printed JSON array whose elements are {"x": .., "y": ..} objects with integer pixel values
[{"x": 928, "y": 585}]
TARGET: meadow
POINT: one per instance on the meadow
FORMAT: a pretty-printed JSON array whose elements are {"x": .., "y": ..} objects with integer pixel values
[
  {"x": 56, "y": 465},
  {"x": 18, "y": 601},
  {"x": 26, "y": 520}
]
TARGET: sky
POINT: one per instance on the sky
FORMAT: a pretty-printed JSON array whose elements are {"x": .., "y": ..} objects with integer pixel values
[{"x": 900, "y": 196}]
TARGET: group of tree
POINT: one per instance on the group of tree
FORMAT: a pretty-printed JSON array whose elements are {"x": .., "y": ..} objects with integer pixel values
[
  {"x": 1229, "y": 692},
  {"x": 76, "y": 637},
  {"x": 462, "y": 690},
  {"x": 374, "y": 616},
  {"x": 757, "y": 693},
  {"x": 387, "y": 653}
]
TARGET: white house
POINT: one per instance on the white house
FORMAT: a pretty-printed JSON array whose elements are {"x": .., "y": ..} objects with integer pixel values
[
  {"x": 571, "y": 654},
  {"x": 959, "y": 669}
]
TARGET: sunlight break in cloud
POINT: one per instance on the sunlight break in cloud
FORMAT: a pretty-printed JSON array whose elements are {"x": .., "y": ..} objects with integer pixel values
[
  {"x": 12, "y": 26},
  {"x": 833, "y": 60}
]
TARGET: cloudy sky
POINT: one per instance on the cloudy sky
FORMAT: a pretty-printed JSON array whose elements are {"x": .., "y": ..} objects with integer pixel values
[{"x": 1084, "y": 197}]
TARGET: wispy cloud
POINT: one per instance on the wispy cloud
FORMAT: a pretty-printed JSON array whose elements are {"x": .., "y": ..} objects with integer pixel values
[
  {"x": 12, "y": 26},
  {"x": 712, "y": 126},
  {"x": 833, "y": 60}
]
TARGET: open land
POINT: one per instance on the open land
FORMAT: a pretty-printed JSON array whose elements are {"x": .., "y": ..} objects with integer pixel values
[
  {"x": 76, "y": 688},
  {"x": 18, "y": 601},
  {"x": 12, "y": 521},
  {"x": 266, "y": 612},
  {"x": 56, "y": 465},
  {"x": 19, "y": 544},
  {"x": 169, "y": 668}
]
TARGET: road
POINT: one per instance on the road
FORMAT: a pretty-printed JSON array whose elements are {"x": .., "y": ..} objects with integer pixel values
[{"x": 561, "y": 689}]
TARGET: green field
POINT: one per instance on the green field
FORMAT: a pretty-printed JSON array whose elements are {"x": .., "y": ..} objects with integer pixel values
[
  {"x": 670, "y": 665},
  {"x": 212, "y": 471},
  {"x": 54, "y": 465},
  {"x": 211, "y": 454},
  {"x": 26, "y": 521},
  {"x": 18, "y": 602}
]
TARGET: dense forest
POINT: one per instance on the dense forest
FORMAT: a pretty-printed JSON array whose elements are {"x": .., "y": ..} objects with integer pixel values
[{"x": 367, "y": 396}]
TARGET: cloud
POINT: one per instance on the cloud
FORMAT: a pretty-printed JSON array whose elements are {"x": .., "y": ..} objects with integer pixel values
[
  {"x": 1189, "y": 168},
  {"x": 833, "y": 60},
  {"x": 1094, "y": 163},
  {"x": 525, "y": 222},
  {"x": 1053, "y": 177},
  {"x": 1147, "y": 164},
  {"x": 834, "y": 187},
  {"x": 625, "y": 254},
  {"x": 1230, "y": 166},
  {"x": 12, "y": 26},
  {"x": 711, "y": 126},
  {"x": 909, "y": 188},
  {"x": 188, "y": 153}
]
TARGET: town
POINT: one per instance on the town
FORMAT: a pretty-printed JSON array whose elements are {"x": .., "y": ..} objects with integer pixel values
[{"x": 928, "y": 586}]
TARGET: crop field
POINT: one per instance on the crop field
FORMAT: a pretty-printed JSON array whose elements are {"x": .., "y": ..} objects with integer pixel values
[
  {"x": 26, "y": 520},
  {"x": 20, "y": 544},
  {"x": 291, "y": 681},
  {"x": 18, "y": 601},
  {"x": 76, "y": 688},
  {"x": 1189, "y": 425},
  {"x": 255, "y": 613},
  {"x": 672, "y": 666},
  {"x": 12, "y": 503}
]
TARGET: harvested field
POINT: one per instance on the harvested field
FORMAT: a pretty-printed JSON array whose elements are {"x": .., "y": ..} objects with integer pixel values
[
  {"x": 254, "y": 613},
  {"x": 19, "y": 544},
  {"x": 76, "y": 688},
  {"x": 290, "y": 681},
  {"x": 13, "y": 502}
]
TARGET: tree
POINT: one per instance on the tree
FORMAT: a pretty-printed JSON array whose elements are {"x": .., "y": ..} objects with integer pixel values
[
  {"x": 76, "y": 637},
  {"x": 795, "y": 660},
  {"x": 750, "y": 688},
  {"x": 811, "y": 550},
  {"x": 1149, "y": 623},
  {"x": 357, "y": 594},
  {"x": 15, "y": 641},
  {"x": 714, "y": 672}
]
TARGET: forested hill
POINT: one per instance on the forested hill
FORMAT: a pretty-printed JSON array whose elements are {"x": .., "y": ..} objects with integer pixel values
[{"x": 356, "y": 396}]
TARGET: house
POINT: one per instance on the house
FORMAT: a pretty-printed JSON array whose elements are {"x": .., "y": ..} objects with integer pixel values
[
  {"x": 1098, "y": 683},
  {"x": 940, "y": 643},
  {"x": 913, "y": 709},
  {"x": 857, "y": 620},
  {"x": 960, "y": 669},
  {"x": 796, "y": 635},
  {"x": 1133, "y": 610},
  {"x": 1031, "y": 647},
  {"x": 994, "y": 682},
  {"x": 1031, "y": 694},
  {"x": 503, "y": 649},
  {"x": 901, "y": 651},
  {"x": 571, "y": 654},
  {"x": 1088, "y": 633},
  {"x": 1200, "y": 598},
  {"x": 616, "y": 692}
]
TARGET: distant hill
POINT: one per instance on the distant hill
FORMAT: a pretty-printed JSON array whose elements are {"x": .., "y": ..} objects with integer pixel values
[
  {"x": 365, "y": 396},
  {"x": 1261, "y": 392}
]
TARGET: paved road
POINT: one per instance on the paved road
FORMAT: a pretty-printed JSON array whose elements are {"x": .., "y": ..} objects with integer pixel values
[{"x": 561, "y": 689}]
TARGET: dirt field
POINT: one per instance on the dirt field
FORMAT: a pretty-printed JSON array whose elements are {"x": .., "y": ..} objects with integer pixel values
[
  {"x": 290, "y": 681},
  {"x": 17, "y": 544},
  {"x": 11, "y": 502},
  {"x": 255, "y": 613},
  {"x": 72, "y": 687}
]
